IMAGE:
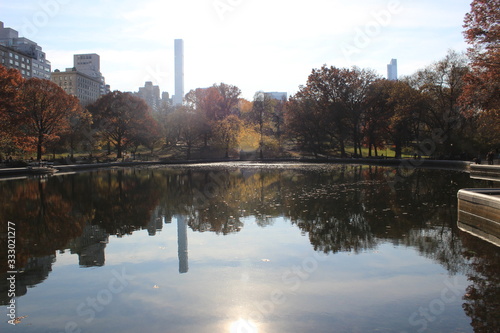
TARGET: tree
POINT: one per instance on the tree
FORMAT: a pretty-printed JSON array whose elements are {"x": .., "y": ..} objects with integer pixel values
[
  {"x": 377, "y": 115},
  {"x": 278, "y": 119},
  {"x": 442, "y": 84},
  {"x": 488, "y": 128},
  {"x": 261, "y": 115},
  {"x": 229, "y": 99},
  {"x": 187, "y": 126},
  {"x": 482, "y": 32},
  {"x": 10, "y": 83},
  {"x": 45, "y": 113},
  {"x": 337, "y": 96},
  {"x": 354, "y": 91},
  {"x": 405, "y": 104},
  {"x": 215, "y": 103},
  {"x": 78, "y": 130},
  {"x": 146, "y": 133},
  {"x": 305, "y": 122},
  {"x": 120, "y": 118},
  {"x": 227, "y": 132},
  {"x": 326, "y": 86}
]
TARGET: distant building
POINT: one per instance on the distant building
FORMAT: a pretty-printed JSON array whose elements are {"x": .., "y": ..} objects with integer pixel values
[
  {"x": 151, "y": 94},
  {"x": 392, "y": 70},
  {"x": 90, "y": 65},
  {"x": 178, "y": 98},
  {"x": 281, "y": 96},
  {"x": 22, "y": 54},
  {"x": 83, "y": 86},
  {"x": 165, "y": 98}
]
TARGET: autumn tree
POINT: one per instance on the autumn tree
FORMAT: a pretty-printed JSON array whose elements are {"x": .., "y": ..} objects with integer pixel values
[
  {"x": 482, "y": 91},
  {"x": 325, "y": 86},
  {"x": 227, "y": 132},
  {"x": 11, "y": 82},
  {"x": 146, "y": 134},
  {"x": 304, "y": 121},
  {"x": 78, "y": 131},
  {"x": 487, "y": 124},
  {"x": 187, "y": 126},
  {"x": 278, "y": 120},
  {"x": 482, "y": 32},
  {"x": 353, "y": 90},
  {"x": 46, "y": 112},
  {"x": 442, "y": 84},
  {"x": 261, "y": 116},
  {"x": 215, "y": 103},
  {"x": 229, "y": 100},
  {"x": 377, "y": 115},
  {"x": 405, "y": 105},
  {"x": 120, "y": 118},
  {"x": 338, "y": 96}
]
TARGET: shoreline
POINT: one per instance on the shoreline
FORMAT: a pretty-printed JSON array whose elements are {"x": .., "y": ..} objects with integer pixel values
[{"x": 401, "y": 163}]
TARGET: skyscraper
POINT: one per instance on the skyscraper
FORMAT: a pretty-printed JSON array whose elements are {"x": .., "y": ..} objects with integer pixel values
[
  {"x": 392, "y": 70},
  {"x": 179, "y": 71}
]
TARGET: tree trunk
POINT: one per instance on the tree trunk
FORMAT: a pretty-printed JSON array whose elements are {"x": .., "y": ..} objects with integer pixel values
[
  {"x": 119, "y": 149},
  {"x": 39, "y": 148},
  {"x": 398, "y": 150},
  {"x": 342, "y": 148},
  {"x": 188, "y": 154}
]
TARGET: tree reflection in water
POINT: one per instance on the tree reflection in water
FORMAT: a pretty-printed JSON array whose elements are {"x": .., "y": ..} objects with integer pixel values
[{"x": 340, "y": 208}]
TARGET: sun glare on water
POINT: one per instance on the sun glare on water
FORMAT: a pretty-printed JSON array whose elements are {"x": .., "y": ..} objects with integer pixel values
[{"x": 243, "y": 326}]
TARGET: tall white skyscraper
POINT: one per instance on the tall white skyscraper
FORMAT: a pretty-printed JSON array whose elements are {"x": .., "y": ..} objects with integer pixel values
[
  {"x": 392, "y": 70},
  {"x": 179, "y": 71}
]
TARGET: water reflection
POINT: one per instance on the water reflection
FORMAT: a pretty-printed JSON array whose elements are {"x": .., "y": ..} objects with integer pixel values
[{"x": 339, "y": 208}]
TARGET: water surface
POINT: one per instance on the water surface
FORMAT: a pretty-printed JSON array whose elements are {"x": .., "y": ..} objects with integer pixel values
[{"x": 247, "y": 248}]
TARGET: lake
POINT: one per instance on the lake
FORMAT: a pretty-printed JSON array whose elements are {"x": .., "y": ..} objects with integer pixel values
[{"x": 245, "y": 248}]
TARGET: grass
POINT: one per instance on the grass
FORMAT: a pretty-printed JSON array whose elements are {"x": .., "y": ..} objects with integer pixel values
[{"x": 387, "y": 152}]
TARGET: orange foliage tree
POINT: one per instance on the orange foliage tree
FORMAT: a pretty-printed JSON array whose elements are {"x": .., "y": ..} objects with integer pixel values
[
  {"x": 45, "y": 112},
  {"x": 10, "y": 85}
]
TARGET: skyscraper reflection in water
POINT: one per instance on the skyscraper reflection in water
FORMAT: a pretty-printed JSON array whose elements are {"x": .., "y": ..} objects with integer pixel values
[{"x": 182, "y": 247}]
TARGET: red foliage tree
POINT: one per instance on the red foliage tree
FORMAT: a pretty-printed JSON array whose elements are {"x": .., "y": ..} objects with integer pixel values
[{"x": 482, "y": 32}]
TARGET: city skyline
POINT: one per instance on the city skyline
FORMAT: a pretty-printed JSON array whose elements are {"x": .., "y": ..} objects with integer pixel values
[{"x": 225, "y": 44}]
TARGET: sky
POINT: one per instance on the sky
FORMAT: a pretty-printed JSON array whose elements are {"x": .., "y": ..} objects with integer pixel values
[{"x": 256, "y": 45}]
